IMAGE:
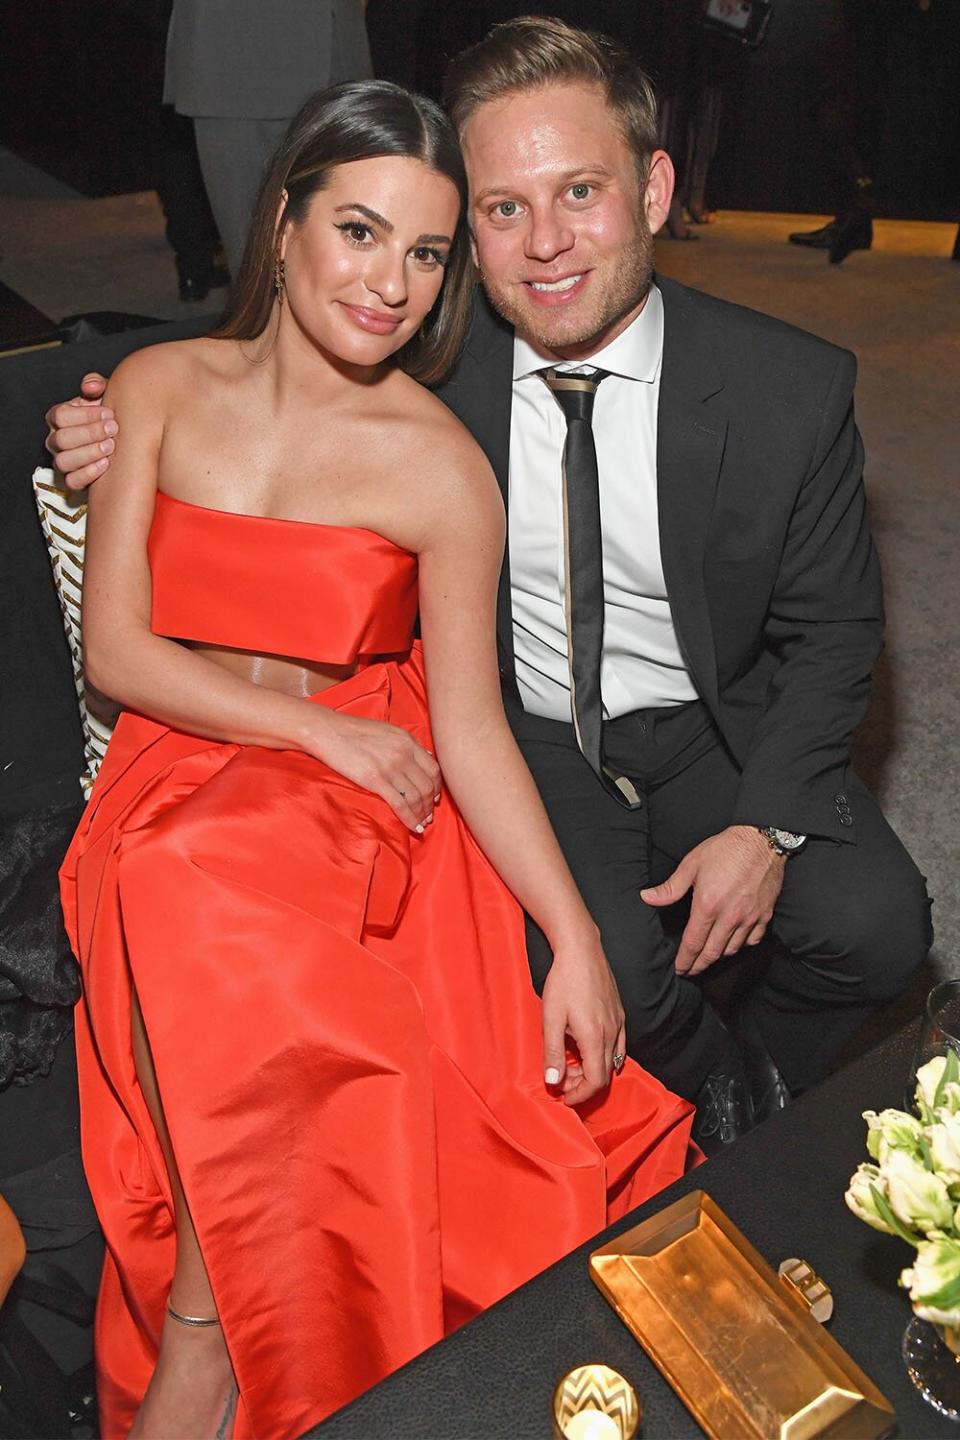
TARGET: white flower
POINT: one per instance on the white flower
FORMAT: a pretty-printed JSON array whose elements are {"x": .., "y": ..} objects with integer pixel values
[
  {"x": 891, "y": 1130},
  {"x": 918, "y": 1198},
  {"x": 934, "y": 1281},
  {"x": 928, "y": 1079},
  {"x": 944, "y": 1141},
  {"x": 941, "y": 1073},
  {"x": 861, "y": 1200}
]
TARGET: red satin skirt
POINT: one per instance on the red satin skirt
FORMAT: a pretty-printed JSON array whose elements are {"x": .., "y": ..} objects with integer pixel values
[{"x": 349, "y": 1054}]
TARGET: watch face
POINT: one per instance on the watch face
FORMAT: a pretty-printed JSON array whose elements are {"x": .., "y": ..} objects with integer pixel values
[{"x": 787, "y": 839}]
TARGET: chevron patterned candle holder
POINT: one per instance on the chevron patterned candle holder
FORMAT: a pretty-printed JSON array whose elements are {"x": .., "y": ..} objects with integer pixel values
[{"x": 594, "y": 1402}]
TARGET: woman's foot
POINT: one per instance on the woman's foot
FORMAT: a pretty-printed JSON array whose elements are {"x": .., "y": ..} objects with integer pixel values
[
  {"x": 677, "y": 227},
  {"x": 193, "y": 1391}
]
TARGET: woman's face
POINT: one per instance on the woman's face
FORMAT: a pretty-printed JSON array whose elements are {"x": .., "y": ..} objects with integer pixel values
[{"x": 365, "y": 266}]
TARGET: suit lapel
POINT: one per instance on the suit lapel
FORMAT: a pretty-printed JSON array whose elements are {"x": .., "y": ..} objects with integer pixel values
[
  {"x": 690, "y": 441},
  {"x": 482, "y": 397}
]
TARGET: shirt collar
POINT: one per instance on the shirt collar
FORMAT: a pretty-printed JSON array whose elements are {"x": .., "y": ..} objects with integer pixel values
[{"x": 636, "y": 353}]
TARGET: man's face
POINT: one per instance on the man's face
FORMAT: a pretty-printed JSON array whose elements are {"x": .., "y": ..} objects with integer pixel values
[{"x": 562, "y": 226}]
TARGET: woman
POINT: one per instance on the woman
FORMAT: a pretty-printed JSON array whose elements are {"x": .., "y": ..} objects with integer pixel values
[{"x": 335, "y": 1132}]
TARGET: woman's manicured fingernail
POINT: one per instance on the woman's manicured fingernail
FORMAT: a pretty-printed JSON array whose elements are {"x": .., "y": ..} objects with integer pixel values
[
  {"x": 419, "y": 829},
  {"x": 552, "y": 1075}
]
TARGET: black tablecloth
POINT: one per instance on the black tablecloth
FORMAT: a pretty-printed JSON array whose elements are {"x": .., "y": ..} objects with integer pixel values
[{"x": 783, "y": 1185}]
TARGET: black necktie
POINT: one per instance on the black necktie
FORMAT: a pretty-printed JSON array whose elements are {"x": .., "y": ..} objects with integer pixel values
[{"x": 583, "y": 548}]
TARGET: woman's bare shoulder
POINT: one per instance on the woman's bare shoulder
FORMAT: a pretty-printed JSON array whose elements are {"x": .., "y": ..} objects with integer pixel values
[
  {"x": 158, "y": 373},
  {"x": 457, "y": 485},
  {"x": 432, "y": 427}
]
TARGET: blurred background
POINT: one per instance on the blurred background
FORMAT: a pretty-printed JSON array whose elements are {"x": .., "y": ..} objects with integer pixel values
[{"x": 77, "y": 84}]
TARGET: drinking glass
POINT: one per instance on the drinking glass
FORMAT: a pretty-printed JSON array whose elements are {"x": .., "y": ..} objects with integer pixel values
[{"x": 939, "y": 1033}]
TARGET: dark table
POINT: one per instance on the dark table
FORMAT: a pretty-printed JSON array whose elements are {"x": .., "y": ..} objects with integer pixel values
[{"x": 783, "y": 1185}]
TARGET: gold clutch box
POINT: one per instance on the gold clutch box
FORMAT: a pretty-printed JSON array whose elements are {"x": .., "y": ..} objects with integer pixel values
[{"x": 741, "y": 1350}]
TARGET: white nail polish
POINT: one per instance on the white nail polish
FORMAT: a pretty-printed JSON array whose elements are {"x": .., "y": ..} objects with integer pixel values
[
  {"x": 552, "y": 1075},
  {"x": 419, "y": 829}
]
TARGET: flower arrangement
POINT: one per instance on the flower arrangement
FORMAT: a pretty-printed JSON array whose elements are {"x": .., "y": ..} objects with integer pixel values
[{"x": 913, "y": 1190}]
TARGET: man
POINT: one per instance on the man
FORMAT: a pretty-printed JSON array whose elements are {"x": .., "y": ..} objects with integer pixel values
[
  {"x": 690, "y": 604},
  {"x": 242, "y": 71},
  {"x": 854, "y": 60}
]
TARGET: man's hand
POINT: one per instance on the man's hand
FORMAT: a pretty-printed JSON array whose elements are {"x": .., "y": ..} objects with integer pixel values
[
  {"x": 736, "y": 880},
  {"x": 81, "y": 434}
]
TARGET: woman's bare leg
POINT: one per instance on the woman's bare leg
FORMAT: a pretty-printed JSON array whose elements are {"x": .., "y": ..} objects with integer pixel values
[{"x": 193, "y": 1392}]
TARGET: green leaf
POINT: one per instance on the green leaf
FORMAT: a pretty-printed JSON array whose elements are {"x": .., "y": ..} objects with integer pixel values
[
  {"x": 946, "y": 1298},
  {"x": 888, "y": 1217},
  {"x": 925, "y": 1155},
  {"x": 949, "y": 1074}
]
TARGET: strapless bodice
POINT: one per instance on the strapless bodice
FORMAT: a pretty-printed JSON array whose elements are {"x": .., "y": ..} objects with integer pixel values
[{"x": 328, "y": 593}]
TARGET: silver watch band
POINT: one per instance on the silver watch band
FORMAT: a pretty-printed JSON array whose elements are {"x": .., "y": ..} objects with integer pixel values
[{"x": 782, "y": 842}]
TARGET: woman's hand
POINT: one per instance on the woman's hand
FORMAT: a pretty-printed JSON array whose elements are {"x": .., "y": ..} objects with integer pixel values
[
  {"x": 381, "y": 758},
  {"x": 580, "y": 1000}
]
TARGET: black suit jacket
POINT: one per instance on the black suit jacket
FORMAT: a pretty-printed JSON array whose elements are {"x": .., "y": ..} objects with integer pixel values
[{"x": 771, "y": 573}]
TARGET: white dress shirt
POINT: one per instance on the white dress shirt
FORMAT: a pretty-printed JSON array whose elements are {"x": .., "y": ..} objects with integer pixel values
[{"x": 641, "y": 665}]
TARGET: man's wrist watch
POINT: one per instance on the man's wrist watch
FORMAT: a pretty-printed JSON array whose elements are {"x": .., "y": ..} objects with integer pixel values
[{"x": 782, "y": 842}]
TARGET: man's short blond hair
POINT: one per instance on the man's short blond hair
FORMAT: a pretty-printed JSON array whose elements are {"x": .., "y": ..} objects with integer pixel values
[{"x": 535, "y": 50}]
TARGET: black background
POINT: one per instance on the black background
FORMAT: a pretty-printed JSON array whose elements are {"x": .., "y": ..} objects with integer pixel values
[{"x": 77, "y": 83}]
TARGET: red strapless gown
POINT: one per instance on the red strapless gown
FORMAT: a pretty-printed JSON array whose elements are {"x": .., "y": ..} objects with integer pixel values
[{"x": 345, "y": 1035}]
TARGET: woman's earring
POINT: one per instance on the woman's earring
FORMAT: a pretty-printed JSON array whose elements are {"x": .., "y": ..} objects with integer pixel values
[{"x": 279, "y": 278}]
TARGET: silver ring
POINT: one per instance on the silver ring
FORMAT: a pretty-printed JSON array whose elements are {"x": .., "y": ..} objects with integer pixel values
[{"x": 618, "y": 1061}]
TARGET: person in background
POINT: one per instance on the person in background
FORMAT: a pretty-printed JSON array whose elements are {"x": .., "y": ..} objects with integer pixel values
[
  {"x": 857, "y": 50},
  {"x": 240, "y": 69},
  {"x": 191, "y": 230}
]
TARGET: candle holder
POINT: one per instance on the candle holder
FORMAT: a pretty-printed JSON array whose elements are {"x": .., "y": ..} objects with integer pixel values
[{"x": 593, "y": 1402}]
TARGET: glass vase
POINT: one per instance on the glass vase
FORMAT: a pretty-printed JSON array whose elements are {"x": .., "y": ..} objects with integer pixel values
[{"x": 932, "y": 1357}]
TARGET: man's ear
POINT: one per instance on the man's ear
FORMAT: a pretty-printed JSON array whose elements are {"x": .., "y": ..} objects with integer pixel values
[
  {"x": 658, "y": 191},
  {"x": 473, "y": 253}
]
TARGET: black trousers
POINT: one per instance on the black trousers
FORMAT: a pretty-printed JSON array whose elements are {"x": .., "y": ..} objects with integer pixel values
[{"x": 853, "y": 920}]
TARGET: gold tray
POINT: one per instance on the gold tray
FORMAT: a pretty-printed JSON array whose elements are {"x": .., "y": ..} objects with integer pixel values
[{"x": 742, "y": 1352}]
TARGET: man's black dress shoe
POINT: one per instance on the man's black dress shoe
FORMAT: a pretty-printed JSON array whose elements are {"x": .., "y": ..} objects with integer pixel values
[
  {"x": 193, "y": 288},
  {"x": 820, "y": 239},
  {"x": 724, "y": 1110},
  {"x": 854, "y": 232},
  {"x": 768, "y": 1089},
  {"x": 196, "y": 285}
]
